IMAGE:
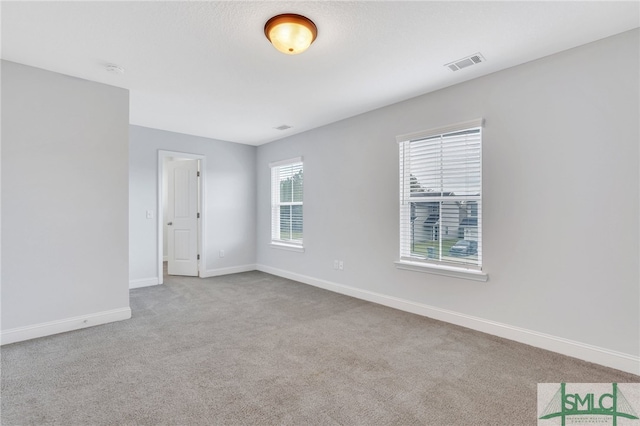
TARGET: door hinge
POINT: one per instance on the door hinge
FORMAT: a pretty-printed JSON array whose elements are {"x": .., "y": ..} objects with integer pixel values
[
  {"x": 198, "y": 215},
  {"x": 198, "y": 257},
  {"x": 198, "y": 173}
]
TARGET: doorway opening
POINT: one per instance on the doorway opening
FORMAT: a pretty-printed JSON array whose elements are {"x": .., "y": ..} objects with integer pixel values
[{"x": 180, "y": 209}]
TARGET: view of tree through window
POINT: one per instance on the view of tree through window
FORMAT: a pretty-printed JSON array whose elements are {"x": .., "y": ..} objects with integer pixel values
[
  {"x": 291, "y": 214},
  {"x": 287, "y": 206}
]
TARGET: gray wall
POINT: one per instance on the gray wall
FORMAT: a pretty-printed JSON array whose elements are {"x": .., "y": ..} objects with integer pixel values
[
  {"x": 64, "y": 197},
  {"x": 229, "y": 216},
  {"x": 560, "y": 206}
]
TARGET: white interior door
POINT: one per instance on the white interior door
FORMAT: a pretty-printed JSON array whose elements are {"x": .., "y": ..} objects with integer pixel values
[{"x": 182, "y": 217}]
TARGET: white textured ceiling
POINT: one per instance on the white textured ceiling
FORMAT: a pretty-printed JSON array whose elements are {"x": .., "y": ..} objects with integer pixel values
[{"x": 206, "y": 68}]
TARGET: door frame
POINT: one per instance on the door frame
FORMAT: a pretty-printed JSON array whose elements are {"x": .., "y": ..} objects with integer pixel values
[{"x": 162, "y": 154}]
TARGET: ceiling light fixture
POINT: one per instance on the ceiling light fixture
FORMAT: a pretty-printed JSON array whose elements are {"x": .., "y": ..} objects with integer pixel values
[{"x": 290, "y": 33}]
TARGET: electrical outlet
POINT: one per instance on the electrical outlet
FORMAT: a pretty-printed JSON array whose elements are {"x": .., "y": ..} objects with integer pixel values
[
  {"x": 341, "y": 265},
  {"x": 335, "y": 264},
  {"x": 149, "y": 214},
  {"x": 221, "y": 253}
]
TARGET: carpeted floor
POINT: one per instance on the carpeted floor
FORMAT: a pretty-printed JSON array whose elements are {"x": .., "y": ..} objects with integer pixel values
[{"x": 255, "y": 349}]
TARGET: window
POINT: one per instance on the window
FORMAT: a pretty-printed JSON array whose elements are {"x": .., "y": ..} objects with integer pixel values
[
  {"x": 441, "y": 197},
  {"x": 286, "y": 202}
]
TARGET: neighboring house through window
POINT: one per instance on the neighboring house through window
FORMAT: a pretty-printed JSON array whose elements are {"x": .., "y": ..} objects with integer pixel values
[
  {"x": 441, "y": 196},
  {"x": 286, "y": 203}
]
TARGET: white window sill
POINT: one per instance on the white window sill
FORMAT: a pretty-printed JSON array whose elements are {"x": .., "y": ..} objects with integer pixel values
[
  {"x": 289, "y": 247},
  {"x": 467, "y": 274}
]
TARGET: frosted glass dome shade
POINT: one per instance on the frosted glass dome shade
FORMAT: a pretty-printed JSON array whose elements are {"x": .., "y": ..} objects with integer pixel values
[{"x": 290, "y": 34}]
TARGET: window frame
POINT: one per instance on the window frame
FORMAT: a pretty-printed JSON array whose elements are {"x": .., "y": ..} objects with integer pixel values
[
  {"x": 423, "y": 263},
  {"x": 276, "y": 204}
]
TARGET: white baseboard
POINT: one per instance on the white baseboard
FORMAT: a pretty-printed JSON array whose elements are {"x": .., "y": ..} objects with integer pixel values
[
  {"x": 226, "y": 271},
  {"x": 143, "y": 282},
  {"x": 60, "y": 326},
  {"x": 586, "y": 352}
]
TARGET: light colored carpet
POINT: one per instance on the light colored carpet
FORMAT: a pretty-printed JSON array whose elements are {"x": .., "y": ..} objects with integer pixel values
[{"x": 255, "y": 349}]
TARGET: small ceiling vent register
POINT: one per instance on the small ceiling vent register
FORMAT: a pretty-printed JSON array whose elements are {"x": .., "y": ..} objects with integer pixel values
[
  {"x": 114, "y": 69},
  {"x": 476, "y": 58}
]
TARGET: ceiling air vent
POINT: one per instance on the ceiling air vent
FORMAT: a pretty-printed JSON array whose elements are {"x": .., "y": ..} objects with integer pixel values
[
  {"x": 476, "y": 58},
  {"x": 283, "y": 127}
]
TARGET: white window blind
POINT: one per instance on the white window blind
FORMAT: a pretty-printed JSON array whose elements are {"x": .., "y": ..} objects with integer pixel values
[
  {"x": 286, "y": 202},
  {"x": 441, "y": 196}
]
